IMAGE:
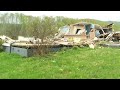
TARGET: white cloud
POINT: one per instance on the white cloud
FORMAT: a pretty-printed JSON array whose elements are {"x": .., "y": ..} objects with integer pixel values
[{"x": 100, "y": 15}]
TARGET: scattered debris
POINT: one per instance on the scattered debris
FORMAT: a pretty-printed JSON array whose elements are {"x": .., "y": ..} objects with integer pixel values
[
  {"x": 91, "y": 46},
  {"x": 82, "y": 33},
  {"x": 78, "y": 34}
]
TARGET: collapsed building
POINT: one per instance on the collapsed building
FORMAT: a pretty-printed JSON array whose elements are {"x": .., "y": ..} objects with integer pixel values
[
  {"x": 80, "y": 29},
  {"x": 25, "y": 46},
  {"x": 81, "y": 33}
]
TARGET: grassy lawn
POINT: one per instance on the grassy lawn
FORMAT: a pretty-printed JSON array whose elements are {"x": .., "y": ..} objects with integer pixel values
[{"x": 86, "y": 63}]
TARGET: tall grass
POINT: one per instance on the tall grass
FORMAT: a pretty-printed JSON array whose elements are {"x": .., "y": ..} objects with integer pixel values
[{"x": 78, "y": 63}]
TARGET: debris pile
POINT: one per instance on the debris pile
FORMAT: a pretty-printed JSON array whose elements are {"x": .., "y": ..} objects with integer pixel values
[
  {"x": 78, "y": 34},
  {"x": 82, "y": 34}
]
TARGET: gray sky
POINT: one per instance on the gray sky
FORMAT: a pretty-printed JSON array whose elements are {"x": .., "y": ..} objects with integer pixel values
[{"x": 99, "y": 15}]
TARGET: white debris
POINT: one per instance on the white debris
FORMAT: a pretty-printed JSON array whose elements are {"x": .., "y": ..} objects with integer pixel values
[
  {"x": 6, "y": 44},
  {"x": 95, "y": 39},
  {"x": 91, "y": 46},
  {"x": 21, "y": 38},
  {"x": 77, "y": 40},
  {"x": 5, "y": 38}
]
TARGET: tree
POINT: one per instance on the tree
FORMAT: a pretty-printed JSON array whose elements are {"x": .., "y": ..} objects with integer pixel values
[{"x": 42, "y": 27}]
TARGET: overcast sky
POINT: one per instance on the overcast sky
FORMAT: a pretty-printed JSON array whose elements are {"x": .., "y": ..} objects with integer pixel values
[{"x": 99, "y": 15}]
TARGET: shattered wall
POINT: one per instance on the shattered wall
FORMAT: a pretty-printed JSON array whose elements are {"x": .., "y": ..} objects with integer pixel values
[{"x": 75, "y": 28}]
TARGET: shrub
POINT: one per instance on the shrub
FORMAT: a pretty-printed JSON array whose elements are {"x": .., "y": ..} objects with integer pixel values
[
  {"x": 75, "y": 47},
  {"x": 42, "y": 50},
  {"x": 64, "y": 49},
  {"x": 1, "y": 42}
]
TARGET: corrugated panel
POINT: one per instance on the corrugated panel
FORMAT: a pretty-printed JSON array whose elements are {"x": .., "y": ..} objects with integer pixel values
[
  {"x": 6, "y": 49},
  {"x": 20, "y": 51}
]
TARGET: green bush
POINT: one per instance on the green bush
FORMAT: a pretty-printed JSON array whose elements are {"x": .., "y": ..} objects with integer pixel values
[
  {"x": 1, "y": 42},
  {"x": 64, "y": 49},
  {"x": 75, "y": 47}
]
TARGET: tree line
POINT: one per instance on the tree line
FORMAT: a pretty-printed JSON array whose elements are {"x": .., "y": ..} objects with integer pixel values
[{"x": 17, "y": 24}]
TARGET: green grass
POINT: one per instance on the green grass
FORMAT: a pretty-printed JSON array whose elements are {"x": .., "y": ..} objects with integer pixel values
[{"x": 82, "y": 63}]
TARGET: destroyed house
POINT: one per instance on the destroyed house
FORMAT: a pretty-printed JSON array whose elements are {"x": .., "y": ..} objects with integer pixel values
[
  {"x": 84, "y": 30},
  {"x": 103, "y": 31},
  {"x": 81, "y": 30},
  {"x": 108, "y": 28},
  {"x": 78, "y": 28}
]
